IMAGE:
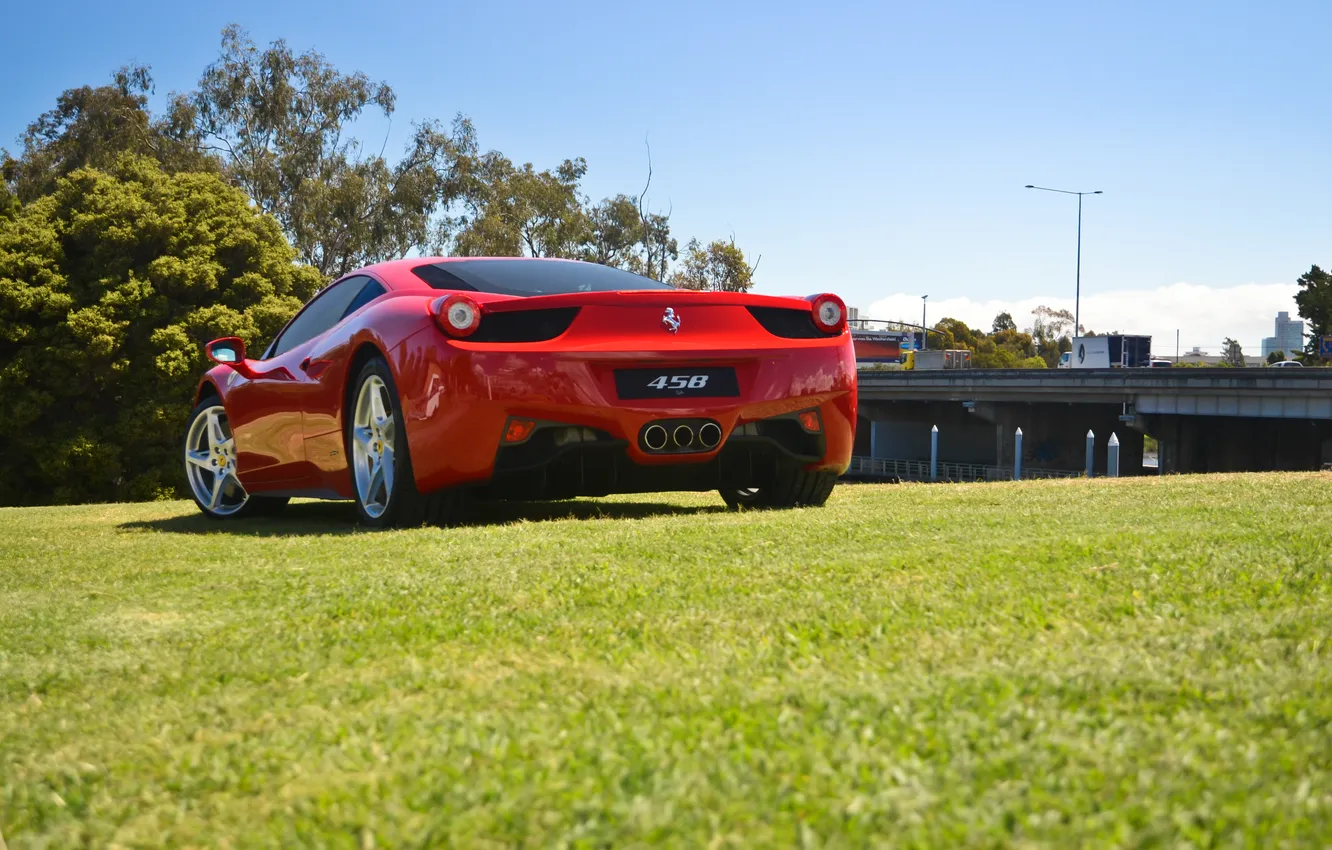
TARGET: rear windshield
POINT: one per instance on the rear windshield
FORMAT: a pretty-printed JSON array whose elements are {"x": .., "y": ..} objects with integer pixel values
[{"x": 531, "y": 277}]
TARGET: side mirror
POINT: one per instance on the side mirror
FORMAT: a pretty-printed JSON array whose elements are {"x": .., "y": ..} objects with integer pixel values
[{"x": 229, "y": 350}]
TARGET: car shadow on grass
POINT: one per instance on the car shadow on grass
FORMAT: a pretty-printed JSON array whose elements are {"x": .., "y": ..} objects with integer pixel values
[
  {"x": 502, "y": 513},
  {"x": 314, "y": 518}
]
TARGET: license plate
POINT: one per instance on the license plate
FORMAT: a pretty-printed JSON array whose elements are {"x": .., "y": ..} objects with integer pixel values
[{"x": 711, "y": 381}]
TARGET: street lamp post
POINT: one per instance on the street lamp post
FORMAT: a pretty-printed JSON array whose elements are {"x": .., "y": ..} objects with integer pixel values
[
  {"x": 924, "y": 335},
  {"x": 1077, "y": 292}
]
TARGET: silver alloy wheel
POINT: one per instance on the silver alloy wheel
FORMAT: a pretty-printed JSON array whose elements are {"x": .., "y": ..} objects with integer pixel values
[
  {"x": 747, "y": 492},
  {"x": 372, "y": 446},
  {"x": 210, "y": 463}
]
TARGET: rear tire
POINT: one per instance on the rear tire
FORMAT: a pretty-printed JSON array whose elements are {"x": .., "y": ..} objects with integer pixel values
[
  {"x": 380, "y": 462},
  {"x": 793, "y": 488}
]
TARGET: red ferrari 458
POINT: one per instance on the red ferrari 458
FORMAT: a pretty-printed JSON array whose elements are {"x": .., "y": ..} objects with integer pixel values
[{"x": 412, "y": 385}]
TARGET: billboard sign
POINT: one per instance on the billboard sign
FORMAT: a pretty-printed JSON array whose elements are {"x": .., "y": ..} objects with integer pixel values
[{"x": 879, "y": 346}]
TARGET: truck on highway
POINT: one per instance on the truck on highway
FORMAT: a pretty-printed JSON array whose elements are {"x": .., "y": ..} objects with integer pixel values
[
  {"x": 953, "y": 358},
  {"x": 1105, "y": 352}
]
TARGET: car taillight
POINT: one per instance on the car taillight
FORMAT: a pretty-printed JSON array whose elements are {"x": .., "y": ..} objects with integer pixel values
[
  {"x": 458, "y": 315},
  {"x": 518, "y": 430},
  {"x": 829, "y": 313}
]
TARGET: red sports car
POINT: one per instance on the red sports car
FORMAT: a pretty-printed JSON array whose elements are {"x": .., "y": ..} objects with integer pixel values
[{"x": 412, "y": 385}]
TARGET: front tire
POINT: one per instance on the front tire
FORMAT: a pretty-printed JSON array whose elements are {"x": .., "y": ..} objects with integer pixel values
[
  {"x": 210, "y": 468},
  {"x": 381, "y": 463},
  {"x": 793, "y": 488}
]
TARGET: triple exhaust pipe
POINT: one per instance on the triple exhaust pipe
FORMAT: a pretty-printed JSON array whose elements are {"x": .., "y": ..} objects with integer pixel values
[{"x": 681, "y": 436}]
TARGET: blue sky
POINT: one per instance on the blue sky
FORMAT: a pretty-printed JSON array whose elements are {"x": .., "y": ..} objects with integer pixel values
[{"x": 877, "y": 150}]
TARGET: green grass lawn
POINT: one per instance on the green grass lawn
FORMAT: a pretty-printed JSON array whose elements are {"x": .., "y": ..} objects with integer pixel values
[{"x": 1128, "y": 662}]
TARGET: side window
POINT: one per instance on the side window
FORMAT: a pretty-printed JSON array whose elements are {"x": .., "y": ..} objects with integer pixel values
[
  {"x": 369, "y": 292},
  {"x": 323, "y": 312}
]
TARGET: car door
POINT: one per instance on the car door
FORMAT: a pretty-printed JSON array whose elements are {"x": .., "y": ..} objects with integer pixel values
[
  {"x": 326, "y": 366},
  {"x": 267, "y": 411}
]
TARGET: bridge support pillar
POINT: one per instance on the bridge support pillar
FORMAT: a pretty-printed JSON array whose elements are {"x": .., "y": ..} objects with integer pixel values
[
  {"x": 1131, "y": 443},
  {"x": 902, "y": 432},
  {"x": 1054, "y": 435},
  {"x": 1238, "y": 444}
]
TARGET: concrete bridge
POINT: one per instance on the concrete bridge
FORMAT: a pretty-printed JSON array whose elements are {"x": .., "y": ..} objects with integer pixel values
[{"x": 1206, "y": 420}]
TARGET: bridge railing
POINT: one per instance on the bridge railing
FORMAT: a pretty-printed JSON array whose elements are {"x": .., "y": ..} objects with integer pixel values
[{"x": 919, "y": 470}]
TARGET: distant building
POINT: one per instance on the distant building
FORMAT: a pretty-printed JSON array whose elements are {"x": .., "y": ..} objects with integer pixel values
[
  {"x": 1198, "y": 357},
  {"x": 1289, "y": 336}
]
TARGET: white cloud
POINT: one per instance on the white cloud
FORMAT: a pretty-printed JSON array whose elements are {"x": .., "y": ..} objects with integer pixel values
[{"x": 1204, "y": 315}]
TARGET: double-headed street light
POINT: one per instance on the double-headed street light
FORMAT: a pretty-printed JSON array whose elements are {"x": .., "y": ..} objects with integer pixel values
[
  {"x": 924, "y": 334},
  {"x": 1077, "y": 293}
]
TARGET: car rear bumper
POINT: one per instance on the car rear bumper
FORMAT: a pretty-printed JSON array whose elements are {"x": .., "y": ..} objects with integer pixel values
[{"x": 457, "y": 404}]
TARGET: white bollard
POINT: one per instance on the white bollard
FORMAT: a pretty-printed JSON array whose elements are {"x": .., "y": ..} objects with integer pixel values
[
  {"x": 1112, "y": 457},
  {"x": 1017, "y": 455},
  {"x": 934, "y": 453}
]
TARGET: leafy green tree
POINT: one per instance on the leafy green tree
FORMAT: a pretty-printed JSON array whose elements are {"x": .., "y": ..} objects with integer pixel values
[
  {"x": 92, "y": 127},
  {"x": 657, "y": 249},
  {"x": 1314, "y": 301},
  {"x": 504, "y": 210},
  {"x": 1004, "y": 322},
  {"x": 623, "y": 233},
  {"x": 1052, "y": 350},
  {"x": 954, "y": 334},
  {"x": 718, "y": 266},
  {"x": 988, "y": 355},
  {"x": 1276, "y": 357},
  {"x": 615, "y": 232},
  {"x": 1050, "y": 333},
  {"x": 1005, "y": 349},
  {"x": 279, "y": 123},
  {"x": 1232, "y": 354},
  {"x": 109, "y": 286},
  {"x": 511, "y": 211},
  {"x": 1016, "y": 341},
  {"x": 1049, "y": 323},
  {"x": 8, "y": 203}
]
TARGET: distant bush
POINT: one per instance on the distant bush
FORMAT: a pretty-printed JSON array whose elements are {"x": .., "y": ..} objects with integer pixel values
[{"x": 109, "y": 286}]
